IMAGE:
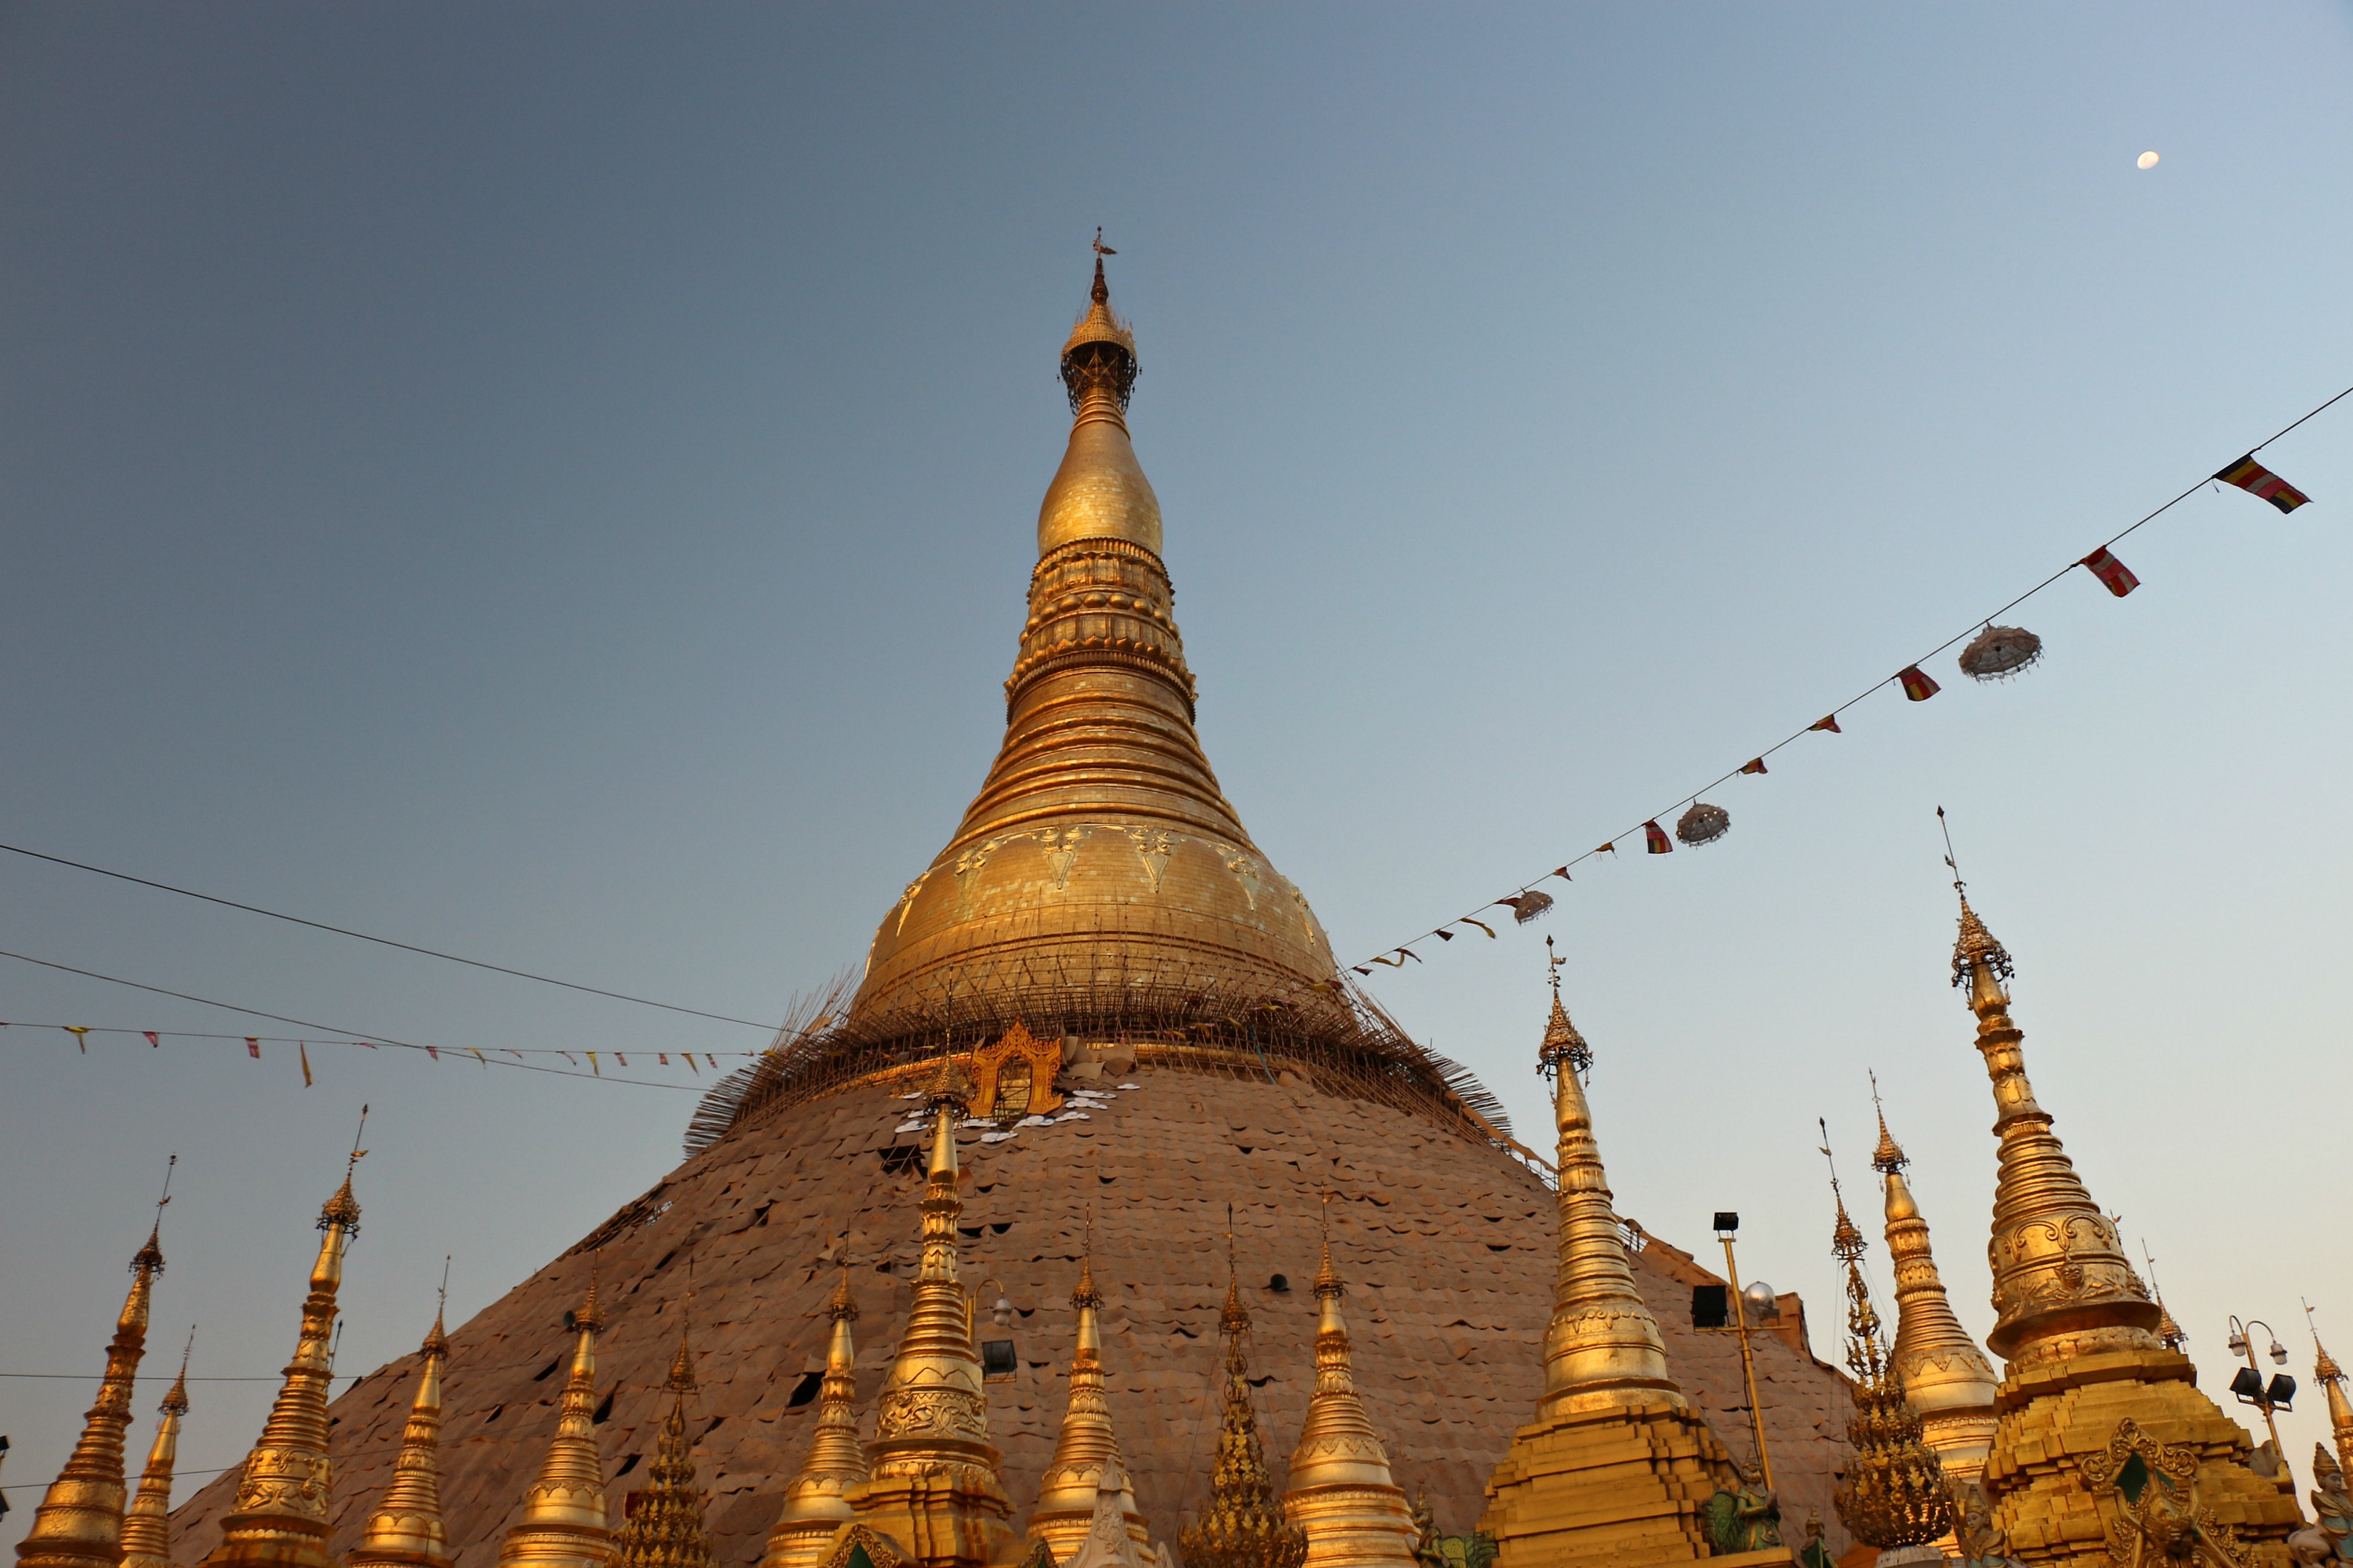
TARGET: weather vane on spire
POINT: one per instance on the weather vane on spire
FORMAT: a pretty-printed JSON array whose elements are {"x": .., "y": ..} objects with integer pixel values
[
  {"x": 1946, "y": 828},
  {"x": 1100, "y": 249}
]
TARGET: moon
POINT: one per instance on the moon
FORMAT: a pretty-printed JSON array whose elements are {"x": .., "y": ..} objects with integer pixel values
[{"x": 2148, "y": 160}]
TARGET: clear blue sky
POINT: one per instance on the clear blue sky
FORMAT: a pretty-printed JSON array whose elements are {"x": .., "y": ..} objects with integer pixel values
[{"x": 557, "y": 483}]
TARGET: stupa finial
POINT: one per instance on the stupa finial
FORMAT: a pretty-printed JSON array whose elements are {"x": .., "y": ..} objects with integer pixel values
[{"x": 406, "y": 1529}]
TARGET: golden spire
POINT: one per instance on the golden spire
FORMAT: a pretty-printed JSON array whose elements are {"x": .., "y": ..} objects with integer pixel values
[
  {"x": 1099, "y": 491},
  {"x": 563, "y": 1521},
  {"x": 1603, "y": 1346},
  {"x": 279, "y": 1518},
  {"x": 405, "y": 1530},
  {"x": 666, "y": 1530},
  {"x": 147, "y": 1525},
  {"x": 1341, "y": 1492},
  {"x": 817, "y": 1502},
  {"x": 78, "y": 1523},
  {"x": 1893, "y": 1493},
  {"x": 1947, "y": 1378},
  {"x": 2059, "y": 1268},
  {"x": 1086, "y": 1447},
  {"x": 1241, "y": 1525},
  {"x": 2331, "y": 1378},
  {"x": 933, "y": 1486}
]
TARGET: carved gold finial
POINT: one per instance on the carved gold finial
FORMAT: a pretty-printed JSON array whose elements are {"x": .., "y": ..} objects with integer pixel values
[
  {"x": 279, "y": 1518},
  {"x": 666, "y": 1530},
  {"x": 563, "y": 1523},
  {"x": 1889, "y": 1157},
  {"x": 1241, "y": 1525},
  {"x": 1847, "y": 1244},
  {"x": 1086, "y": 1451},
  {"x": 406, "y": 1529},
  {"x": 2331, "y": 1378},
  {"x": 1562, "y": 1043},
  {"x": 1341, "y": 1491},
  {"x": 147, "y": 1523},
  {"x": 817, "y": 1500},
  {"x": 1099, "y": 360}
]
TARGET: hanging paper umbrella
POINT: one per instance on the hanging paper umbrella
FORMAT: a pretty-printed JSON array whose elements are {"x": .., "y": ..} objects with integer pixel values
[
  {"x": 1997, "y": 653},
  {"x": 1703, "y": 823},
  {"x": 1527, "y": 906}
]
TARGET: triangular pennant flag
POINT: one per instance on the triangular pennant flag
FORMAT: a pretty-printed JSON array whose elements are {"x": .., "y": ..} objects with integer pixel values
[
  {"x": 1753, "y": 765},
  {"x": 1656, "y": 837},
  {"x": 2112, "y": 572},
  {"x": 150, "y": 1038},
  {"x": 253, "y": 1047},
  {"x": 1827, "y": 721},
  {"x": 1606, "y": 849},
  {"x": 2262, "y": 483},
  {"x": 1917, "y": 687},
  {"x": 1360, "y": 969},
  {"x": 1562, "y": 872},
  {"x": 479, "y": 1057},
  {"x": 592, "y": 1066},
  {"x": 1414, "y": 956},
  {"x": 433, "y": 1051},
  {"x": 1482, "y": 925},
  {"x": 364, "y": 1043},
  {"x": 664, "y": 1057},
  {"x": 689, "y": 1062},
  {"x": 1443, "y": 935},
  {"x": 80, "y": 1034},
  {"x": 568, "y": 1057},
  {"x": 713, "y": 1060},
  {"x": 620, "y": 1059},
  {"x": 303, "y": 1051}
]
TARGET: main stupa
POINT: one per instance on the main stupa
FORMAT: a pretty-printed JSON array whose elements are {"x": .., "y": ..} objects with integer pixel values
[{"x": 1146, "y": 1022}]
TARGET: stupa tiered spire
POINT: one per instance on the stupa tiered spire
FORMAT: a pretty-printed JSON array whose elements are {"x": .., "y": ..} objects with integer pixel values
[
  {"x": 933, "y": 1488},
  {"x": 406, "y": 1531},
  {"x": 1616, "y": 1467},
  {"x": 2077, "y": 1328},
  {"x": 280, "y": 1519},
  {"x": 667, "y": 1529},
  {"x": 1086, "y": 1446},
  {"x": 147, "y": 1523},
  {"x": 1241, "y": 1524},
  {"x": 565, "y": 1523},
  {"x": 2331, "y": 1378},
  {"x": 1947, "y": 1378},
  {"x": 817, "y": 1502},
  {"x": 78, "y": 1523},
  {"x": 1341, "y": 1491}
]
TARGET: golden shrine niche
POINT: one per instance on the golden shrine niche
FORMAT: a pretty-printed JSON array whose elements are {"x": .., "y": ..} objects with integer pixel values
[{"x": 1014, "y": 1075}]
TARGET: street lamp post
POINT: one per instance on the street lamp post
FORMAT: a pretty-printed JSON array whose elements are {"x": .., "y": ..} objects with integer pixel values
[
  {"x": 1727, "y": 1224},
  {"x": 2248, "y": 1384}
]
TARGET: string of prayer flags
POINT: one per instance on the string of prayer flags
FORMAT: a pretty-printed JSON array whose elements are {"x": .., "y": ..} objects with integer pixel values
[
  {"x": 1656, "y": 837},
  {"x": 2113, "y": 573},
  {"x": 1827, "y": 721},
  {"x": 1917, "y": 687},
  {"x": 2262, "y": 484},
  {"x": 304, "y": 1052},
  {"x": 1753, "y": 765},
  {"x": 80, "y": 1035}
]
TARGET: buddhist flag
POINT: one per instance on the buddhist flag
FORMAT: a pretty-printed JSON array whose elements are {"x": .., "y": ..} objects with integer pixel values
[
  {"x": 80, "y": 1034},
  {"x": 253, "y": 1047},
  {"x": 1827, "y": 721},
  {"x": 1656, "y": 837},
  {"x": 1753, "y": 765},
  {"x": 2114, "y": 574},
  {"x": 152, "y": 1039},
  {"x": 1917, "y": 687},
  {"x": 2262, "y": 483},
  {"x": 1607, "y": 849},
  {"x": 304, "y": 1052}
]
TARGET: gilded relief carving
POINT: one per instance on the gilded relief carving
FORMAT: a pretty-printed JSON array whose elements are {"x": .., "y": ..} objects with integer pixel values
[
  {"x": 1153, "y": 846},
  {"x": 1062, "y": 847}
]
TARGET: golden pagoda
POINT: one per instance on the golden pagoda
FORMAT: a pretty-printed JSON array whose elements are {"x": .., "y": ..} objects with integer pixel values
[
  {"x": 665, "y": 1528},
  {"x": 1616, "y": 1467},
  {"x": 563, "y": 1519},
  {"x": 817, "y": 1502},
  {"x": 147, "y": 1524},
  {"x": 2077, "y": 1331},
  {"x": 1086, "y": 1447},
  {"x": 1947, "y": 1378},
  {"x": 405, "y": 1530},
  {"x": 280, "y": 1518},
  {"x": 1241, "y": 1525},
  {"x": 1340, "y": 1492},
  {"x": 932, "y": 1489},
  {"x": 79, "y": 1524},
  {"x": 2331, "y": 1378},
  {"x": 1895, "y": 1494}
]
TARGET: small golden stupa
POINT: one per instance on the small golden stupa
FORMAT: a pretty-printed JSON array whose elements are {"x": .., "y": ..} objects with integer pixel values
[
  {"x": 563, "y": 1523},
  {"x": 147, "y": 1524},
  {"x": 280, "y": 1518},
  {"x": 1947, "y": 1378},
  {"x": 665, "y": 1528},
  {"x": 78, "y": 1523},
  {"x": 1616, "y": 1467},
  {"x": 1241, "y": 1525},
  {"x": 405, "y": 1530},
  {"x": 2078, "y": 1332},
  {"x": 1341, "y": 1492},
  {"x": 1086, "y": 1447},
  {"x": 817, "y": 1502}
]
